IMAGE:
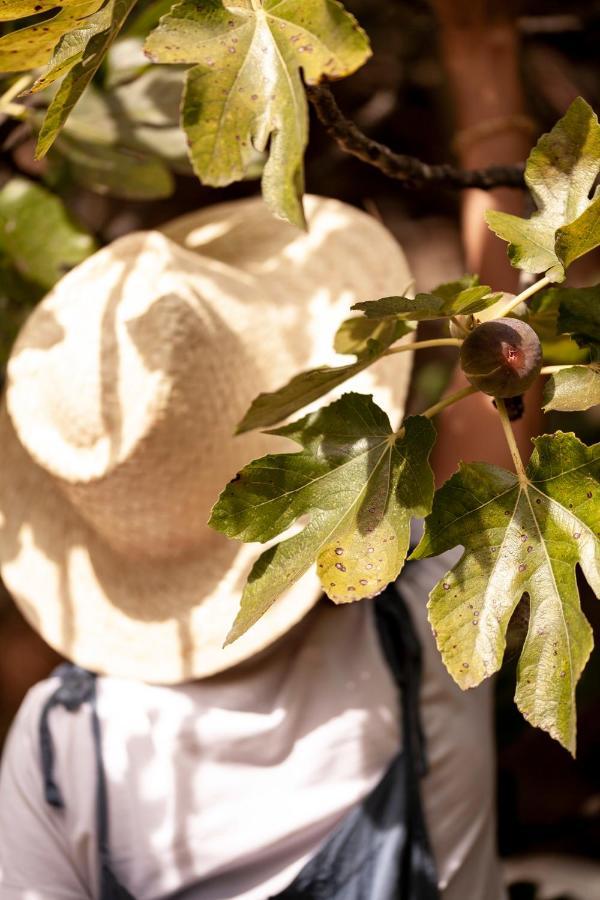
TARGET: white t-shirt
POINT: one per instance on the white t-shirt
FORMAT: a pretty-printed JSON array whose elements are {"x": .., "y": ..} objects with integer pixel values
[{"x": 224, "y": 788}]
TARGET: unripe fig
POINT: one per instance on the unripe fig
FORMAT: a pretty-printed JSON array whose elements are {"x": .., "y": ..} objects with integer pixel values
[{"x": 502, "y": 357}]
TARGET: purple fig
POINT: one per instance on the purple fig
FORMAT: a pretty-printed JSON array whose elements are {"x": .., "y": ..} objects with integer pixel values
[{"x": 502, "y": 357}]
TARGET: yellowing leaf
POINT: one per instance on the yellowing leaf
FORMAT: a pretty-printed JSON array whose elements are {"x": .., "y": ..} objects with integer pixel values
[
  {"x": 32, "y": 46},
  {"x": 357, "y": 482},
  {"x": 244, "y": 92},
  {"x": 520, "y": 538}
]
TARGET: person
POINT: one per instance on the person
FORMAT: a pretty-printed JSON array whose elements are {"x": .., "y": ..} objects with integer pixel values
[{"x": 326, "y": 753}]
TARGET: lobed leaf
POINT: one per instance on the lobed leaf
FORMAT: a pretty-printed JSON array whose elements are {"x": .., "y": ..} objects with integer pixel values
[
  {"x": 244, "y": 92},
  {"x": 572, "y": 389},
  {"x": 560, "y": 173},
  {"x": 463, "y": 297},
  {"x": 357, "y": 482},
  {"x": 520, "y": 538}
]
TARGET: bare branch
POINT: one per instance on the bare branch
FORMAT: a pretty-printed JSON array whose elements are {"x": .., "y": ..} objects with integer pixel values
[{"x": 409, "y": 169}]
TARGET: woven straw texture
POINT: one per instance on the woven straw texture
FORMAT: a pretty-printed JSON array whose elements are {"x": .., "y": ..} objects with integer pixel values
[{"x": 123, "y": 392}]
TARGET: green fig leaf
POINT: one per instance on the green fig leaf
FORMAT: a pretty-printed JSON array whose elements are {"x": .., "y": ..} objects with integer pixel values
[
  {"x": 358, "y": 484},
  {"x": 354, "y": 336},
  {"x": 558, "y": 345},
  {"x": 37, "y": 236},
  {"x": 572, "y": 389},
  {"x": 31, "y": 47},
  {"x": 269, "y": 408},
  {"x": 520, "y": 537},
  {"x": 560, "y": 173},
  {"x": 38, "y": 244},
  {"x": 116, "y": 170},
  {"x": 76, "y": 61},
  {"x": 579, "y": 316},
  {"x": 244, "y": 92},
  {"x": 463, "y": 297}
]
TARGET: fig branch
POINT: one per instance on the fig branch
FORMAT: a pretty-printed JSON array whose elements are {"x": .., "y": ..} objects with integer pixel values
[{"x": 408, "y": 169}]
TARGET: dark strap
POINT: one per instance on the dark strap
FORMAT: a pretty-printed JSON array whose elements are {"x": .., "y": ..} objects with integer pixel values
[
  {"x": 380, "y": 850},
  {"x": 78, "y": 686}
]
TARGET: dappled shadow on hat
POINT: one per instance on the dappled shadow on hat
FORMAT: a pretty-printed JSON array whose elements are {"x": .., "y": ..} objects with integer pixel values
[
  {"x": 122, "y": 438},
  {"x": 47, "y": 333}
]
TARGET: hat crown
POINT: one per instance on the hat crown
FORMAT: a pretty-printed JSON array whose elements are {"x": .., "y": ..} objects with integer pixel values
[
  {"x": 129, "y": 396},
  {"x": 123, "y": 393}
]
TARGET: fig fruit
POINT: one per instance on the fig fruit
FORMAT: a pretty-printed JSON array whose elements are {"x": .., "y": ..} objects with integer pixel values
[{"x": 502, "y": 357}]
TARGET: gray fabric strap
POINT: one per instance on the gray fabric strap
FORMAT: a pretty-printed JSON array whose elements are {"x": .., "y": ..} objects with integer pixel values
[{"x": 78, "y": 686}]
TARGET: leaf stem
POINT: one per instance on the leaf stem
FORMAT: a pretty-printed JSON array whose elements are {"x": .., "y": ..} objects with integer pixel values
[
  {"x": 432, "y": 411},
  {"x": 510, "y": 440},
  {"x": 16, "y": 110},
  {"x": 524, "y": 295},
  {"x": 550, "y": 370},
  {"x": 421, "y": 345},
  {"x": 459, "y": 325}
]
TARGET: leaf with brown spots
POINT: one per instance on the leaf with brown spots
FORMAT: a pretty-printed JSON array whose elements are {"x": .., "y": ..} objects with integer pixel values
[
  {"x": 244, "y": 92},
  {"x": 520, "y": 537},
  {"x": 357, "y": 482},
  {"x": 31, "y": 47}
]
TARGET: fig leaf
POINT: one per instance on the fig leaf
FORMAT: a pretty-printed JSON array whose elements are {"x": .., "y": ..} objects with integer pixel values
[
  {"x": 32, "y": 47},
  {"x": 269, "y": 408},
  {"x": 244, "y": 92},
  {"x": 354, "y": 335},
  {"x": 579, "y": 315},
  {"x": 76, "y": 60},
  {"x": 358, "y": 484},
  {"x": 37, "y": 235},
  {"x": 572, "y": 389},
  {"x": 520, "y": 537},
  {"x": 463, "y": 297},
  {"x": 560, "y": 173}
]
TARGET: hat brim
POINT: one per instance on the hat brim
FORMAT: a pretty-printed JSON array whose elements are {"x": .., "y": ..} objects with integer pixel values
[
  {"x": 160, "y": 619},
  {"x": 156, "y": 621}
]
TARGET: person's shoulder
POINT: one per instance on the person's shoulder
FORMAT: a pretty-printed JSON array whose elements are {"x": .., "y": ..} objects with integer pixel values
[{"x": 32, "y": 705}]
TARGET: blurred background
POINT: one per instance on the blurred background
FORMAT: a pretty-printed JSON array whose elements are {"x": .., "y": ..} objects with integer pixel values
[{"x": 120, "y": 165}]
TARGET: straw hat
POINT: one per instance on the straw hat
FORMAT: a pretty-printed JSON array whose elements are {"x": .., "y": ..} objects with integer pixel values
[{"x": 123, "y": 392}]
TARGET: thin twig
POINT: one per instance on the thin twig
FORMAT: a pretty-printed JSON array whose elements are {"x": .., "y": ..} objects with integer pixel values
[
  {"x": 409, "y": 169},
  {"x": 551, "y": 370},
  {"x": 422, "y": 345},
  {"x": 432, "y": 411},
  {"x": 524, "y": 295}
]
